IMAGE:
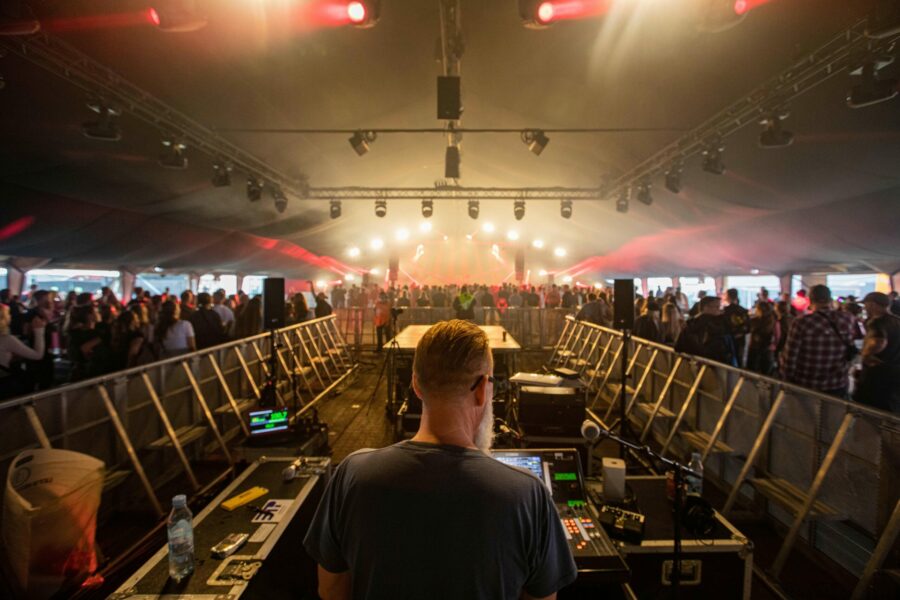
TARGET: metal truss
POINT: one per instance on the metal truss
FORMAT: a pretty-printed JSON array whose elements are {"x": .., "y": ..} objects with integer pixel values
[
  {"x": 453, "y": 193},
  {"x": 843, "y": 52},
  {"x": 65, "y": 61}
]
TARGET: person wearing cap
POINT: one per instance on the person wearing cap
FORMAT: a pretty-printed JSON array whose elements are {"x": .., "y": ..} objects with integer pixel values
[{"x": 879, "y": 380}]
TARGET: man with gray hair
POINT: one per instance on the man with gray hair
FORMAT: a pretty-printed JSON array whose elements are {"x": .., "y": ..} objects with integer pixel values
[{"x": 436, "y": 516}]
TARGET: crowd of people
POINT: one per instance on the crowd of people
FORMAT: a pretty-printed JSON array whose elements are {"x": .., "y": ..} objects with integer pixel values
[{"x": 98, "y": 334}]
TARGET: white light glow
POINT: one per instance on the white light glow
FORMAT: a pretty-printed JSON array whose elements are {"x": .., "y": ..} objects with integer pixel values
[
  {"x": 353, "y": 251},
  {"x": 512, "y": 235},
  {"x": 754, "y": 271},
  {"x": 350, "y": 277},
  {"x": 320, "y": 284},
  {"x": 377, "y": 244},
  {"x": 542, "y": 273},
  {"x": 599, "y": 286},
  {"x": 538, "y": 244},
  {"x": 446, "y": 238},
  {"x": 402, "y": 234},
  {"x": 559, "y": 251},
  {"x": 374, "y": 271},
  {"x": 567, "y": 279},
  {"x": 425, "y": 226},
  {"x": 469, "y": 236},
  {"x": 488, "y": 227}
]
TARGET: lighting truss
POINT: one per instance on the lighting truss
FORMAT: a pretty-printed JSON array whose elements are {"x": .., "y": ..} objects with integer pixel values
[{"x": 455, "y": 193}]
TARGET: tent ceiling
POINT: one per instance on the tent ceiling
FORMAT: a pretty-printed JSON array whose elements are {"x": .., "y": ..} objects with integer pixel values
[{"x": 827, "y": 202}]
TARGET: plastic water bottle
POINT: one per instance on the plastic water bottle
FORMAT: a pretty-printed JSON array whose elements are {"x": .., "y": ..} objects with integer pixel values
[
  {"x": 181, "y": 539},
  {"x": 695, "y": 482}
]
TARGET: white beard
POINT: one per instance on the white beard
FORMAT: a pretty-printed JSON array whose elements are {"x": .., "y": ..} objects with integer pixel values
[{"x": 484, "y": 437}]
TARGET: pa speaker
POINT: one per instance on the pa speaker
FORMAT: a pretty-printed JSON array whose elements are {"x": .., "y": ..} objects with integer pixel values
[
  {"x": 623, "y": 317},
  {"x": 273, "y": 302},
  {"x": 449, "y": 101}
]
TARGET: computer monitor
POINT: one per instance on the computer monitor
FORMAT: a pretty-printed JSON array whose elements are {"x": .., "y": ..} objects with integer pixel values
[{"x": 269, "y": 420}]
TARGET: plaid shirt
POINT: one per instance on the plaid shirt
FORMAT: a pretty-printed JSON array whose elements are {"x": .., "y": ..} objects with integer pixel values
[{"x": 814, "y": 355}]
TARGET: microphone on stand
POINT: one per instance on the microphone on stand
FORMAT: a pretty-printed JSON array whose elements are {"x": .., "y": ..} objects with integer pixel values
[{"x": 590, "y": 430}]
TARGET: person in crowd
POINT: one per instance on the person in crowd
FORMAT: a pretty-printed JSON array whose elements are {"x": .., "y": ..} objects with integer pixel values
[
  {"x": 13, "y": 380},
  {"x": 424, "y": 299},
  {"x": 647, "y": 326},
  {"x": 108, "y": 298},
  {"x": 681, "y": 301},
  {"x": 515, "y": 299},
  {"x": 339, "y": 296},
  {"x": 801, "y": 303},
  {"x": 695, "y": 309},
  {"x": 439, "y": 297},
  {"x": 592, "y": 311},
  {"x": 738, "y": 319},
  {"x": 764, "y": 334},
  {"x": 301, "y": 308},
  {"x": 404, "y": 301},
  {"x": 85, "y": 350},
  {"x": 895, "y": 302},
  {"x": 127, "y": 339},
  {"x": 819, "y": 347},
  {"x": 552, "y": 299},
  {"x": 41, "y": 371},
  {"x": 249, "y": 322},
  {"x": 672, "y": 324},
  {"x": 464, "y": 304},
  {"x": 708, "y": 334},
  {"x": 224, "y": 312},
  {"x": 323, "y": 308},
  {"x": 382, "y": 320},
  {"x": 785, "y": 317},
  {"x": 879, "y": 379},
  {"x": 187, "y": 304},
  {"x": 207, "y": 324},
  {"x": 520, "y": 550},
  {"x": 173, "y": 335},
  {"x": 569, "y": 300}
]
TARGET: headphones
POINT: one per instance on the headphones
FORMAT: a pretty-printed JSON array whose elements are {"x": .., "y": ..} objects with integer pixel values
[{"x": 698, "y": 516}]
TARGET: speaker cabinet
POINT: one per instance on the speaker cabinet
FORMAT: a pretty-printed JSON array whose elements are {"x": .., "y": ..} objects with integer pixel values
[
  {"x": 449, "y": 101},
  {"x": 273, "y": 302},
  {"x": 623, "y": 316}
]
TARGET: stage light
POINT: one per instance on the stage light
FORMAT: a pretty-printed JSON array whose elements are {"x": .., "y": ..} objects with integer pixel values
[
  {"x": 536, "y": 14},
  {"x": 512, "y": 235},
  {"x": 349, "y": 277},
  {"x": 334, "y": 208},
  {"x": 872, "y": 90},
  {"x": 176, "y": 16},
  {"x": 363, "y": 14},
  {"x": 254, "y": 188},
  {"x": 353, "y": 252},
  {"x": 754, "y": 271},
  {"x": 106, "y": 126},
  {"x": 712, "y": 159},
  {"x": 425, "y": 226},
  {"x": 565, "y": 208},
  {"x": 474, "y": 208},
  {"x": 375, "y": 271},
  {"x": 279, "y": 198},
  {"x": 567, "y": 279},
  {"x": 356, "y": 11},
  {"x": 376, "y": 244},
  {"x": 402, "y": 234},
  {"x": 172, "y": 156},
  {"x": 773, "y": 134},
  {"x": 320, "y": 284},
  {"x": 469, "y": 236},
  {"x": 622, "y": 201},
  {"x": 539, "y": 244},
  {"x": 452, "y": 160},
  {"x": 380, "y": 208},
  {"x": 221, "y": 174},
  {"x": 742, "y": 7},
  {"x": 427, "y": 208},
  {"x": 519, "y": 209},
  {"x": 559, "y": 252},
  {"x": 673, "y": 177},
  {"x": 535, "y": 140},
  {"x": 446, "y": 238},
  {"x": 542, "y": 273},
  {"x": 488, "y": 227},
  {"x": 644, "y": 196},
  {"x": 360, "y": 141}
]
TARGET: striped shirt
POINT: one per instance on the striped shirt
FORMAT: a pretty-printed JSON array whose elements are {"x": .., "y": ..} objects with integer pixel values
[{"x": 815, "y": 355}]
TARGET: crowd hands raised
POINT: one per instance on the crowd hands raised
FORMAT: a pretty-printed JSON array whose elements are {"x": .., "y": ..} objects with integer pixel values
[{"x": 46, "y": 339}]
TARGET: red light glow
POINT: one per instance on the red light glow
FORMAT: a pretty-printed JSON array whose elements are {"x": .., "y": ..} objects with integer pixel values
[
  {"x": 356, "y": 12},
  {"x": 742, "y": 7},
  {"x": 558, "y": 10},
  {"x": 16, "y": 227},
  {"x": 108, "y": 21},
  {"x": 545, "y": 12},
  {"x": 153, "y": 16}
]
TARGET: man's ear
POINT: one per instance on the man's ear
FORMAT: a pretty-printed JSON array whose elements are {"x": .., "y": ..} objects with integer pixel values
[
  {"x": 415, "y": 386},
  {"x": 480, "y": 396}
]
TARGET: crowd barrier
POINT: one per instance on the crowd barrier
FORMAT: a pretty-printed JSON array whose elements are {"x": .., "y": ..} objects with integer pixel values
[
  {"x": 533, "y": 328},
  {"x": 821, "y": 469},
  {"x": 152, "y": 423}
]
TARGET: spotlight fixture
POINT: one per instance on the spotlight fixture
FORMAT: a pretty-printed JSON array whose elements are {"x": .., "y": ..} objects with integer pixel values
[
  {"x": 427, "y": 208},
  {"x": 536, "y": 140},
  {"x": 539, "y": 244},
  {"x": 872, "y": 90},
  {"x": 673, "y": 177},
  {"x": 176, "y": 16},
  {"x": 363, "y": 14},
  {"x": 622, "y": 200},
  {"x": 254, "y": 188},
  {"x": 565, "y": 208},
  {"x": 172, "y": 156},
  {"x": 643, "y": 193},
  {"x": 221, "y": 174},
  {"x": 474, "y": 208},
  {"x": 712, "y": 159},
  {"x": 519, "y": 209},
  {"x": 279, "y": 198},
  {"x": 360, "y": 141},
  {"x": 334, "y": 208},
  {"x": 536, "y": 14},
  {"x": 773, "y": 134},
  {"x": 452, "y": 160},
  {"x": 380, "y": 208},
  {"x": 106, "y": 126}
]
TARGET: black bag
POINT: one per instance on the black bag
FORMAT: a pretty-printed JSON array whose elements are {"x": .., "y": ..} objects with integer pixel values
[{"x": 850, "y": 349}]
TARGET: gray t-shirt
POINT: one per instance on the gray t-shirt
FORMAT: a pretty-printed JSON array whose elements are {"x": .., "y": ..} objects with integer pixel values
[{"x": 417, "y": 520}]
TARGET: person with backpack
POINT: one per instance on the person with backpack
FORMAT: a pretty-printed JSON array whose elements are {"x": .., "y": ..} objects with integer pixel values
[{"x": 708, "y": 334}]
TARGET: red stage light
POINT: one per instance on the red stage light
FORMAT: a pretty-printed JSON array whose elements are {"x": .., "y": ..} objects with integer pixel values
[
  {"x": 153, "y": 16},
  {"x": 545, "y": 12},
  {"x": 742, "y": 7},
  {"x": 356, "y": 12}
]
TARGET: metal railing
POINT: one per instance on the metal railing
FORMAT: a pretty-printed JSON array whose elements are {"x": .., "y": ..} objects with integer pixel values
[
  {"x": 531, "y": 327},
  {"x": 821, "y": 468},
  {"x": 154, "y": 422}
]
